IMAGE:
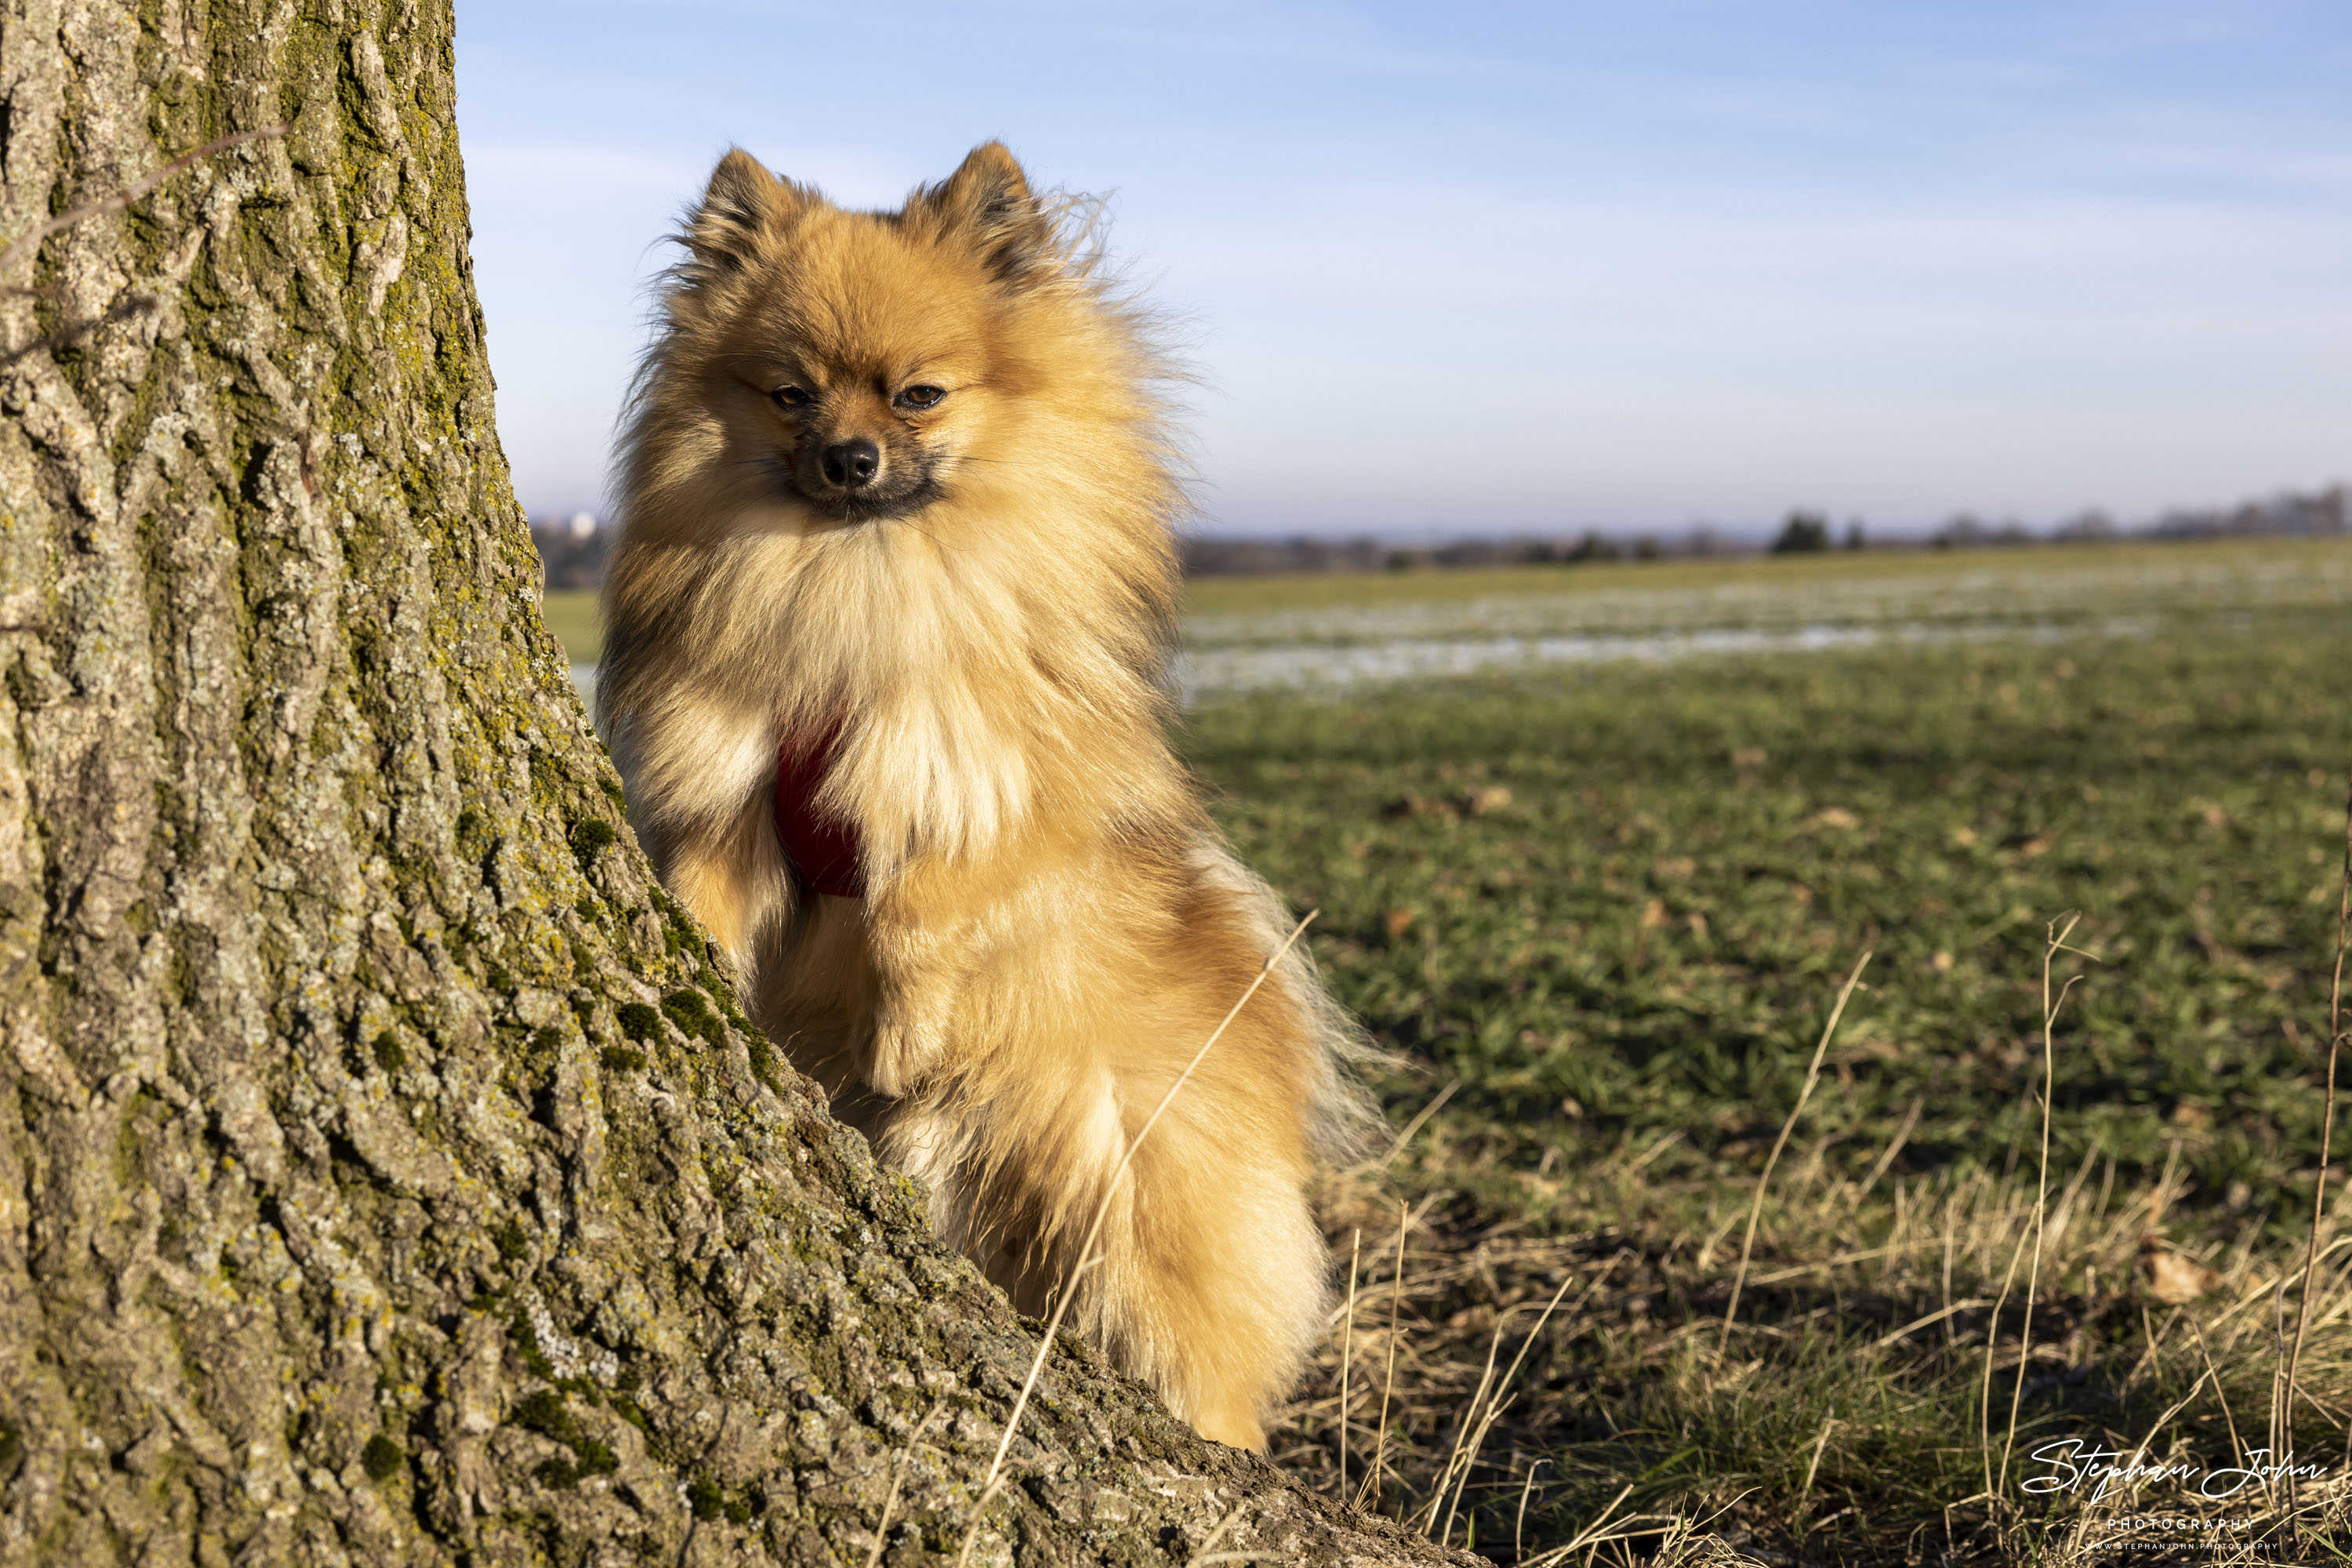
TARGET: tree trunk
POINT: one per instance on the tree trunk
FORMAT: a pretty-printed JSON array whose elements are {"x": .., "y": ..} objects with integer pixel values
[{"x": 386, "y": 1175}]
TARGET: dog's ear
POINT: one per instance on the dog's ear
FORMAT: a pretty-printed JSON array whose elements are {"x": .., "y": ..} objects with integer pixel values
[
  {"x": 740, "y": 201},
  {"x": 989, "y": 203}
]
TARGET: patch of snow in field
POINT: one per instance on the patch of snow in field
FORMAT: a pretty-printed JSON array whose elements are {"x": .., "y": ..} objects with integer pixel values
[
  {"x": 1306, "y": 667},
  {"x": 2020, "y": 589},
  {"x": 1203, "y": 672}
]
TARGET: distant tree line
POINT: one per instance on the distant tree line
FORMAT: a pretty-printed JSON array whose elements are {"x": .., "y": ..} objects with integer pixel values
[
  {"x": 1213, "y": 555},
  {"x": 2323, "y": 511},
  {"x": 1802, "y": 532},
  {"x": 573, "y": 548},
  {"x": 1806, "y": 532},
  {"x": 2288, "y": 515}
]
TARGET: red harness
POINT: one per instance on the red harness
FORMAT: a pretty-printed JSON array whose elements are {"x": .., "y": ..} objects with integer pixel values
[{"x": 822, "y": 847}]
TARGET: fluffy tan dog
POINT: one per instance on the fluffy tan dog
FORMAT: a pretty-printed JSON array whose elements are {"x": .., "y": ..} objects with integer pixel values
[{"x": 885, "y": 640}]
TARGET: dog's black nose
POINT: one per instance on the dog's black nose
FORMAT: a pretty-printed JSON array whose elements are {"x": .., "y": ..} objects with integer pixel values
[{"x": 851, "y": 464}]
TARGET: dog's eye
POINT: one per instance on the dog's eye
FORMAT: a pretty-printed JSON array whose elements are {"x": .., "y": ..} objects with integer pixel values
[
  {"x": 790, "y": 397},
  {"x": 921, "y": 396}
]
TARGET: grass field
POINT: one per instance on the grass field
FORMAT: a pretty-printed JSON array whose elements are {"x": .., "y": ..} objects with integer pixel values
[
  {"x": 1906, "y": 573},
  {"x": 1600, "y": 911},
  {"x": 571, "y": 616}
]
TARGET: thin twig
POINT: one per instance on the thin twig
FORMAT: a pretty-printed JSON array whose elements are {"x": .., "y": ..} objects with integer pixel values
[
  {"x": 2326, "y": 1126},
  {"x": 30, "y": 241},
  {"x": 1087, "y": 1255},
  {"x": 1347, "y": 1352},
  {"x": 1812, "y": 1076}
]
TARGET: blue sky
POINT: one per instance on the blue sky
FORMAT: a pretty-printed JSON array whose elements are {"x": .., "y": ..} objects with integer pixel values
[{"x": 1501, "y": 268}]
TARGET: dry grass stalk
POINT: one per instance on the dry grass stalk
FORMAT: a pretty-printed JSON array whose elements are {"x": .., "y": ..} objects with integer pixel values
[
  {"x": 2326, "y": 1127},
  {"x": 1879, "y": 1237},
  {"x": 1992, "y": 1349},
  {"x": 2213, "y": 1375},
  {"x": 2050, "y": 1008},
  {"x": 1812, "y": 1076},
  {"x": 1088, "y": 1257},
  {"x": 2100, "y": 1509},
  {"x": 1894, "y": 1147},
  {"x": 1447, "y": 1358},
  {"x": 1814, "y": 1468},
  {"x": 1420, "y": 1119},
  {"x": 1388, "y": 1380},
  {"x": 1494, "y": 1404},
  {"x": 1520, "y": 1521},
  {"x": 1347, "y": 1352},
  {"x": 1594, "y": 1535},
  {"x": 1462, "y": 1435}
]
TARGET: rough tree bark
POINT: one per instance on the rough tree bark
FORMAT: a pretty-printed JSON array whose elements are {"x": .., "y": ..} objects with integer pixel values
[{"x": 386, "y": 1175}]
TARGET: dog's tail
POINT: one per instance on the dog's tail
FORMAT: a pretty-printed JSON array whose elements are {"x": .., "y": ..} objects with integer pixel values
[{"x": 1346, "y": 1114}]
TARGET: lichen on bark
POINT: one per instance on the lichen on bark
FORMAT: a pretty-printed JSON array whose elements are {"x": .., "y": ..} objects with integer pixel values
[{"x": 387, "y": 1174}]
